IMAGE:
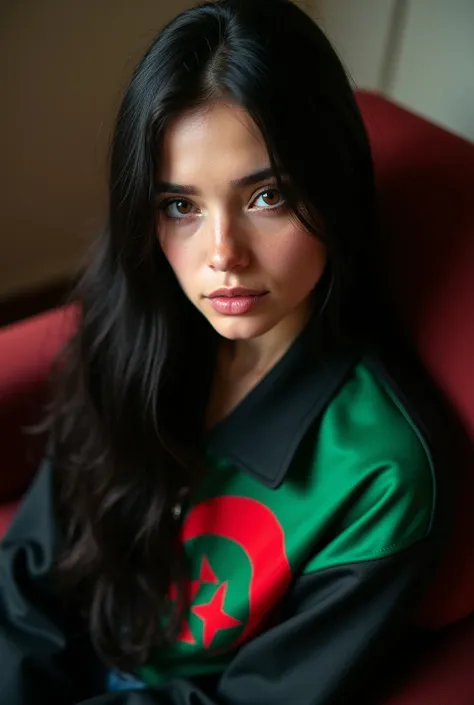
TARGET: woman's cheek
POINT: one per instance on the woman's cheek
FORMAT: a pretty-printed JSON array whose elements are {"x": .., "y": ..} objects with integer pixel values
[
  {"x": 179, "y": 253},
  {"x": 293, "y": 249},
  {"x": 169, "y": 243}
]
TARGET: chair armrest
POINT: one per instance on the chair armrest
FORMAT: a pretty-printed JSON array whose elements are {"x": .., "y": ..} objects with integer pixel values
[
  {"x": 443, "y": 674},
  {"x": 27, "y": 350}
]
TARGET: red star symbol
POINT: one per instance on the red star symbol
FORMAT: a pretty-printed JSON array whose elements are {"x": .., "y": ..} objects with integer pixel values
[
  {"x": 214, "y": 617},
  {"x": 206, "y": 577}
]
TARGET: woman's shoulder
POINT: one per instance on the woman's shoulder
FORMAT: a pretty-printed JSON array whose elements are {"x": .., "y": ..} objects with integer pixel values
[
  {"x": 374, "y": 413},
  {"x": 374, "y": 467}
]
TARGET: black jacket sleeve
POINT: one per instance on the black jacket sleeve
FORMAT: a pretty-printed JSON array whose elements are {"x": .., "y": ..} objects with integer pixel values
[
  {"x": 45, "y": 655},
  {"x": 338, "y": 628},
  {"x": 333, "y": 629}
]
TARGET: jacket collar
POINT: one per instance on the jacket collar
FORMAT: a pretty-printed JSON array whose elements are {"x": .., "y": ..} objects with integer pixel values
[{"x": 263, "y": 433}]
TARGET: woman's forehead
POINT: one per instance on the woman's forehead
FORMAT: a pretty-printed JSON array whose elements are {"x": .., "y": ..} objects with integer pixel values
[{"x": 217, "y": 142}]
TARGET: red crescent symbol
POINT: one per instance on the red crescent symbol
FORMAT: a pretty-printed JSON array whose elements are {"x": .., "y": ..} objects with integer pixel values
[{"x": 255, "y": 528}]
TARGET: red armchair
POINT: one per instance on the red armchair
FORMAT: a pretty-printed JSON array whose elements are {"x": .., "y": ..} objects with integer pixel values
[{"x": 425, "y": 178}]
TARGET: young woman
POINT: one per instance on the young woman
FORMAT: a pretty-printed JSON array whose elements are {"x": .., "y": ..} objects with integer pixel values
[{"x": 240, "y": 501}]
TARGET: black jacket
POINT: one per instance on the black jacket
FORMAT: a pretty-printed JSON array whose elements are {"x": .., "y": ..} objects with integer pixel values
[{"x": 362, "y": 538}]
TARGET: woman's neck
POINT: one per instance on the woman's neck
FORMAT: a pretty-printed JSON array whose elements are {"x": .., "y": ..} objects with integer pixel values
[
  {"x": 241, "y": 364},
  {"x": 263, "y": 352}
]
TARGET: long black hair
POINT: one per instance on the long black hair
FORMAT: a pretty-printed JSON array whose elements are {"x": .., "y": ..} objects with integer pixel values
[{"x": 133, "y": 383}]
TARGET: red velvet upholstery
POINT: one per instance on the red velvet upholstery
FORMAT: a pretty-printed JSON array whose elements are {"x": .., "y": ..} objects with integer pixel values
[
  {"x": 444, "y": 674},
  {"x": 7, "y": 511},
  {"x": 425, "y": 179},
  {"x": 27, "y": 350}
]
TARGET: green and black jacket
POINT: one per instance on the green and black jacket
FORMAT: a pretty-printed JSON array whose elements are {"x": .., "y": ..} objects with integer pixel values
[{"x": 310, "y": 543}]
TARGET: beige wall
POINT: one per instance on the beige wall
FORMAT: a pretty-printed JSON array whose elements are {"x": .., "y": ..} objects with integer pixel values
[
  {"x": 360, "y": 31},
  {"x": 63, "y": 64},
  {"x": 420, "y": 53},
  {"x": 434, "y": 74}
]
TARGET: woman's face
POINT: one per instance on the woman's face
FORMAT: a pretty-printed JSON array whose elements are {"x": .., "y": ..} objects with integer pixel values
[{"x": 237, "y": 252}]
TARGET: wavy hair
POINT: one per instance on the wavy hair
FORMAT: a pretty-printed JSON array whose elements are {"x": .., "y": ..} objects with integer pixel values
[{"x": 128, "y": 413}]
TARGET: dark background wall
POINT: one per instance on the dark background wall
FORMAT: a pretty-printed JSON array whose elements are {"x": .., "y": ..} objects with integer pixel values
[{"x": 63, "y": 65}]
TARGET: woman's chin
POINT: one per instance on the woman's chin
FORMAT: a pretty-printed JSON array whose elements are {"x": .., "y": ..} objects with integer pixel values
[{"x": 241, "y": 327}]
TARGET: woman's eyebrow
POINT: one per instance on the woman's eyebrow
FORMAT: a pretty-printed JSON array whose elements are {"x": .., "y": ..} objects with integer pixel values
[
  {"x": 168, "y": 187},
  {"x": 188, "y": 190},
  {"x": 254, "y": 178}
]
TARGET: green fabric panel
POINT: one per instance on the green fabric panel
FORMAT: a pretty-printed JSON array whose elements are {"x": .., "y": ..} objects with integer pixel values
[
  {"x": 363, "y": 477},
  {"x": 375, "y": 474}
]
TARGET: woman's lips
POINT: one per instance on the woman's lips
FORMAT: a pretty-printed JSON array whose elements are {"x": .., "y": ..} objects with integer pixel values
[{"x": 235, "y": 302}]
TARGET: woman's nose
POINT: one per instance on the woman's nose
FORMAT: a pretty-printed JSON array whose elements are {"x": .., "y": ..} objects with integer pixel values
[{"x": 228, "y": 249}]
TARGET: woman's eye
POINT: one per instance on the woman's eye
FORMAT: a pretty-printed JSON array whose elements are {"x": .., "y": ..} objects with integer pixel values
[
  {"x": 177, "y": 208},
  {"x": 270, "y": 198}
]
